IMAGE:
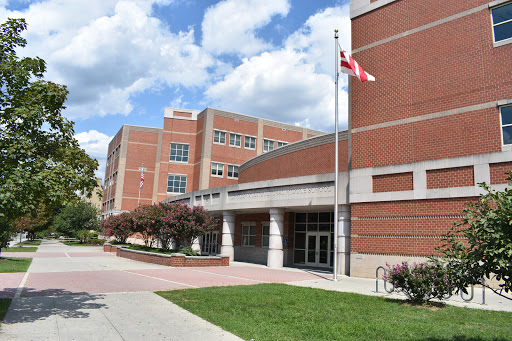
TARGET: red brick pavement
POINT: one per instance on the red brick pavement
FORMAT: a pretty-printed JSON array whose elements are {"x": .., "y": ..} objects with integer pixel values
[{"x": 9, "y": 282}]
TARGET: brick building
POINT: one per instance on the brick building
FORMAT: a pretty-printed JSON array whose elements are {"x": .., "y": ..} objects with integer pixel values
[
  {"x": 437, "y": 121},
  {"x": 193, "y": 151}
]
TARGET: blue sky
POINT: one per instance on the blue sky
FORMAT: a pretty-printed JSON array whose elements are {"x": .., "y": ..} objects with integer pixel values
[{"x": 124, "y": 61}]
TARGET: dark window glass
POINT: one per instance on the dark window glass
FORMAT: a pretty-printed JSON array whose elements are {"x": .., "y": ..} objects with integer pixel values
[
  {"x": 300, "y": 217},
  {"x": 506, "y": 115},
  {"x": 507, "y": 135},
  {"x": 503, "y": 31},
  {"x": 300, "y": 227},
  {"x": 300, "y": 240},
  {"x": 501, "y": 14},
  {"x": 299, "y": 256},
  {"x": 313, "y": 218},
  {"x": 325, "y": 217}
]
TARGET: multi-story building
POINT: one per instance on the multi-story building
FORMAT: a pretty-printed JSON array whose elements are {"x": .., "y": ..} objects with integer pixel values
[
  {"x": 436, "y": 122},
  {"x": 193, "y": 151}
]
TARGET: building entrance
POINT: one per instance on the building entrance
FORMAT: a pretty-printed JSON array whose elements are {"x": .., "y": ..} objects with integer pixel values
[
  {"x": 318, "y": 249},
  {"x": 210, "y": 245}
]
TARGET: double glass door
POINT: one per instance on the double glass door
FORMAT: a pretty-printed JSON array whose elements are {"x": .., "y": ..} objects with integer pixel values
[
  {"x": 318, "y": 249},
  {"x": 210, "y": 244}
]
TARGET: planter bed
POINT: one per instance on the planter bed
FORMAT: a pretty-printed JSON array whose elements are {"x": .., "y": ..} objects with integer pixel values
[{"x": 174, "y": 259}]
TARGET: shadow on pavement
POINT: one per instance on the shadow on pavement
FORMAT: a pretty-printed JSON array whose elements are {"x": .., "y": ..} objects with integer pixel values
[{"x": 41, "y": 304}]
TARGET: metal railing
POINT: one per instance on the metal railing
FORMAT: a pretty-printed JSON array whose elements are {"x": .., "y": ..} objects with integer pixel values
[{"x": 472, "y": 290}]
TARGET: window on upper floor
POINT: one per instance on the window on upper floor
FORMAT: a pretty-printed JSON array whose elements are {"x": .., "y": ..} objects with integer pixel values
[
  {"x": 219, "y": 137},
  {"x": 235, "y": 140},
  {"x": 248, "y": 234},
  {"x": 502, "y": 22},
  {"x": 179, "y": 152},
  {"x": 268, "y": 145},
  {"x": 506, "y": 124},
  {"x": 217, "y": 169},
  {"x": 176, "y": 183},
  {"x": 280, "y": 144},
  {"x": 232, "y": 171},
  {"x": 250, "y": 142}
]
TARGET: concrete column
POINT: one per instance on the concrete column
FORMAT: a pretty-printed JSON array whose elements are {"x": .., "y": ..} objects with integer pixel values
[
  {"x": 228, "y": 234},
  {"x": 195, "y": 244},
  {"x": 275, "y": 242},
  {"x": 344, "y": 240}
]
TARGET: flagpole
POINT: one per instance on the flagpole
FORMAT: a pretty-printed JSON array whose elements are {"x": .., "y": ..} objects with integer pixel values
[
  {"x": 140, "y": 187},
  {"x": 335, "y": 256}
]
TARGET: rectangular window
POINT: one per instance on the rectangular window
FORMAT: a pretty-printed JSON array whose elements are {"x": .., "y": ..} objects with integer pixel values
[
  {"x": 280, "y": 144},
  {"x": 176, "y": 183},
  {"x": 268, "y": 145},
  {"x": 506, "y": 124},
  {"x": 233, "y": 171},
  {"x": 219, "y": 137},
  {"x": 217, "y": 169},
  {"x": 179, "y": 152},
  {"x": 250, "y": 142},
  {"x": 235, "y": 140},
  {"x": 248, "y": 235},
  {"x": 502, "y": 22},
  {"x": 265, "y": 234}
]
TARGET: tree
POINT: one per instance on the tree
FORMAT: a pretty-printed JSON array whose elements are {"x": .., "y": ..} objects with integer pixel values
[
  {"x": 36, "y": 222},
  {"x": 77, "y": 219},
  {"x": 480, "y": 246},
  {"x": 119, "y": 226},
  {"x": 40, "y": 161}
]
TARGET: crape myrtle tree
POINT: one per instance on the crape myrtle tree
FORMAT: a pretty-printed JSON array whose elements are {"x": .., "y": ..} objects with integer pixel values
[
  {"x": 480, "y": 245},
  {"x": 146, "y": 222},
  {"x": 119, "y": 226},
  {"x": 40, "y": 161}
]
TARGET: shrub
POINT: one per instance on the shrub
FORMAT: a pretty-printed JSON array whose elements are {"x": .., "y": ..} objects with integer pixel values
[
  {"x": 188, "y": 251},
  {"x": 96, "y": 241},
  {"x": 93, "y": 235},
  {"x": 421, "y": 282}
]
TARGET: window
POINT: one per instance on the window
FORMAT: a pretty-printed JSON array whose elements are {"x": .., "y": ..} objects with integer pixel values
[
  {"x": 219, "y": 137},
  {"x": 179, "y": 152},
  {"x": 235, "y": 140},
  {"x": 217, "y": 169},
  {"x": 248, "y": 234},
  {"x": 502, "y": 22},
  {"x": 506, "y": 124},
  {"x": 250, "y": 142},
  {"x": 233, "y": 171},
  {"x": 268, "y": 145},
  {"x": 265, "y": 234},
  {"x": 176, "y": 183},
  {"x": 280, "y": 144}
]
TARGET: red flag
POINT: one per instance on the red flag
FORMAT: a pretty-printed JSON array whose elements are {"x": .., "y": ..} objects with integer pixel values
[
  {"x": 142, "y": 178},
  {"x": 350, "y": 67}
]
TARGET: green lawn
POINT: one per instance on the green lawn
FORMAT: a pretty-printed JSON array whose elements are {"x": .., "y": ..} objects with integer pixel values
[
  {"x": 4, "y": 305},
  {"x": 77, "y": 243},
  {"x": 14, "y": 264},
  {"x": 20, "y": 249},
  {"x": 36, "y": 242},
  {"x": 284, "y": 312}
]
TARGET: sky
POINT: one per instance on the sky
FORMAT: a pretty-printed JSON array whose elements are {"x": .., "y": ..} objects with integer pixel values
[{"x": 124, "y": 61}]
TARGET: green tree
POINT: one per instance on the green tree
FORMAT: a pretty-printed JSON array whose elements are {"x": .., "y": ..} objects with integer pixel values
[
  {"x": 77, "y": 219},
  {"x": 480, "y": 245},
  {"x": 40, "y": 161},
  {"x": 38, "y": 221}
]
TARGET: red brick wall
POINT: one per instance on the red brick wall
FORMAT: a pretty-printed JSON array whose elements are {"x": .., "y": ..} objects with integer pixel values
[
  {"x": 498, "y": 170},
  {"x": 450, "y": 177},
  {"x": 278, "y": 134},
  {"x": 316, "y": 160},
  {"x": 403, "y": 227},
  {"x": 428, "y": 74},
  {"x": 392, "y": 182},
  {"x": 174, "y": 260}
]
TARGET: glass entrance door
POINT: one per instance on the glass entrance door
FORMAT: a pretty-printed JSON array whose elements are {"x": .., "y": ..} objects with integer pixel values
[
  {"x": 210, "y": 243},
  {"x": 318, "y": 249}
]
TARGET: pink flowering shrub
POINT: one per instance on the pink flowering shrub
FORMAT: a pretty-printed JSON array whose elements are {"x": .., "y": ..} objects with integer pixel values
[
  {"x": 421, "y": 282},
  {"x": 119, "y": 226}
]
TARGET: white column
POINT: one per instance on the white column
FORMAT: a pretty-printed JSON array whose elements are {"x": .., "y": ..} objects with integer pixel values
[
  {"x": 195, "y": 244},
  {"x": 228, "y": 234},
  {"x": 344, "y": 240},
  {"x": 275, "y": 242}
]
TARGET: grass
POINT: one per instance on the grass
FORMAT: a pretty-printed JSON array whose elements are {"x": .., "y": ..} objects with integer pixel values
[
  {"x": 4, "y": 305},
  {"x": 8, "y": 264},
  {"x": 20, "y": 249},
  {"x": 284, "y": 312},
  {"x": 30, "y": 242},
  {"x": 77, "y": 243}
]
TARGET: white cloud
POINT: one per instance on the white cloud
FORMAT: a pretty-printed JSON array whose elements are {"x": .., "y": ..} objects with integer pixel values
[
  {"x": 107, "y": 51},
  {"x": 294, "y": 84},
  {"x": 229, "y": 26},
  {"x": 96, "y": 145}
]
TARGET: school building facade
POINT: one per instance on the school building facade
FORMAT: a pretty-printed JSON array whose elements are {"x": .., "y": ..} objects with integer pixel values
[{"x": 436, "y": 122}]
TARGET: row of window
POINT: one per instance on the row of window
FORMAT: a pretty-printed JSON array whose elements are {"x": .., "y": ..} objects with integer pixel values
[
  {"x": 218, "y": 170},
  {"x": 114, "y": 155},
  {"x": 109, "y": 205},
  {"x": 111, "y": 180},
  {"x": 235, "y": 140}
]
